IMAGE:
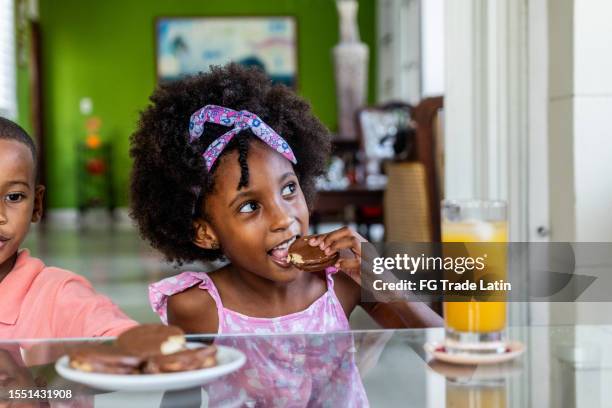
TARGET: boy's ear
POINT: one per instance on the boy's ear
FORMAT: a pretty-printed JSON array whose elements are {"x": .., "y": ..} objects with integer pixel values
[
  {"x": 205, "y": 236},
  {"x": 39, "y": 195}
]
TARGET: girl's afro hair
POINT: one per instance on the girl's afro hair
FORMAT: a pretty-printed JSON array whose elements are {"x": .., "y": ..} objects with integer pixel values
[{"x": 169, "y": 181}]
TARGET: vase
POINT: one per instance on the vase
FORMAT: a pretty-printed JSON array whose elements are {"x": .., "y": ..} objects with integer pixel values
[{"x": 351, "y": 69}]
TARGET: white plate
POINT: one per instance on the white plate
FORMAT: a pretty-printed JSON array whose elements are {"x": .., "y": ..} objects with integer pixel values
[
  {"x": 438, "y": 351},
  {"x": 228, "y": 360}
]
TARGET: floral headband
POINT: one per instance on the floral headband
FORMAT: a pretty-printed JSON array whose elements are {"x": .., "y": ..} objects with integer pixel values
[{"x": 240, "y": 120}]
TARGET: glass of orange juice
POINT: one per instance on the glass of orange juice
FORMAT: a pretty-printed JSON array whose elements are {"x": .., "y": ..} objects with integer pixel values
[{"x": 477, "y": 326}]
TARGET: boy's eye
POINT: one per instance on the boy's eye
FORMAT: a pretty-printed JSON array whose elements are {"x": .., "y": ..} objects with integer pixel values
[
  {"x": 248, "y": 207},
  {"x": 289, "y": 189},
  {"x": 15, "y": 197}
]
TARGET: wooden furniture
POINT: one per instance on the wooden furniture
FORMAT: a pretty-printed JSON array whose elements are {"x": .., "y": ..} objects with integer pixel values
[
  {"x": 347, "y": 205},
  {"x": 412, "y": 199},
  {"x": 357, "y": 203},
  {"x": 414, "y": 188},
  {"x": 378, "y": 128},
  {"x": 37, "y": 99},
  {"x": 407, "y": 207},
  {"x": 430, "y": 152}
]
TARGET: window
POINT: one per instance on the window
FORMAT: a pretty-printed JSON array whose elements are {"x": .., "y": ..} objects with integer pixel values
[{"x": 8, "y": 90}]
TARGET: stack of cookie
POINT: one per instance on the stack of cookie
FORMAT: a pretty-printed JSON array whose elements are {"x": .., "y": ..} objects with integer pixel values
[{"x": 145, "y": 349}]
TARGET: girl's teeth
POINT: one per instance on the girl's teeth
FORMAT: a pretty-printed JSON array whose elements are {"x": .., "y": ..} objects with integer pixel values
[{"x": 286, "y": 244}]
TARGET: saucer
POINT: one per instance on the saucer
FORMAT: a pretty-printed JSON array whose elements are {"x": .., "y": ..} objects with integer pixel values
[{"x": 512, "y": 349}]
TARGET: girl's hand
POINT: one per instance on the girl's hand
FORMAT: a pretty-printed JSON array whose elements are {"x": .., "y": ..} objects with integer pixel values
[{"x": 347, "y": 243}]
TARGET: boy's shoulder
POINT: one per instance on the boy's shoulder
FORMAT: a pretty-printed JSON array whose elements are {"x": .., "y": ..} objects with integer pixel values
[
  {"x": 64, "y": 303},
  {"x": 39, "y": 274},
  {"x": 55, "y": 276}
]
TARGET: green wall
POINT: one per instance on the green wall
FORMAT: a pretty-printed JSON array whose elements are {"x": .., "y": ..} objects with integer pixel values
[{"x": 105, "y": 50}]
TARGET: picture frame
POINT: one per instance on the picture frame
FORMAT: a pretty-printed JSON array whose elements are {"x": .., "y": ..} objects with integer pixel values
[
  {"x": 378, "y": 129},
  {"x": 189, "y": 45}
]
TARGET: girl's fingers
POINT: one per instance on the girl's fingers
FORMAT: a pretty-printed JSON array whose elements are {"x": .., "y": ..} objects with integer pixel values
[
  {"x": 336, "y": 235},
  {"x": 349, "y": 242},
  {"x": 315, "y": 240},
  {"x": 348, "y": 264}
]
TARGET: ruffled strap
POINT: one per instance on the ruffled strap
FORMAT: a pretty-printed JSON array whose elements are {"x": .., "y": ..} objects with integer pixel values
[
  {"x": 159, "y": 292},
  {"x": 336, "y": 304},
  {"x": 329, "y": 272}
]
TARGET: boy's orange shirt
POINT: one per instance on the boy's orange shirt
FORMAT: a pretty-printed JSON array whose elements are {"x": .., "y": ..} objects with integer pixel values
[{"x": 37, "y": 301}]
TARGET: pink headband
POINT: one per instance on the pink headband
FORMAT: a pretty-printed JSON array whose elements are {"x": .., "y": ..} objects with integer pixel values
[{"x": 240, "y": 120}]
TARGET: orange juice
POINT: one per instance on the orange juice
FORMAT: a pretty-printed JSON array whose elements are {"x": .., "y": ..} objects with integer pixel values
[
  {"x": 460, "y": 396},
  {"x": 473, "y": 316}
]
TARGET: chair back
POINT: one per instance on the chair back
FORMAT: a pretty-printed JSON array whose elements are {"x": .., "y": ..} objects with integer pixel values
[{"x": 415, "y": 187}]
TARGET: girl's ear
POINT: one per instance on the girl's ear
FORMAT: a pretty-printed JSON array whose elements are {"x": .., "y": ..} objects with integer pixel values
[
  {"x": 39, "y": 195},
  {"x": 205, "y": 236}
]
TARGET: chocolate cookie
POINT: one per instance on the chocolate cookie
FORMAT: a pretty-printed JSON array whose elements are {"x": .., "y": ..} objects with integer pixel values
[
  {"x": 150, "y": 340},
  {"x": 103, "y": 358},
  {"x": 309, "y": 258},
  {"x": 193, "y": 359}
]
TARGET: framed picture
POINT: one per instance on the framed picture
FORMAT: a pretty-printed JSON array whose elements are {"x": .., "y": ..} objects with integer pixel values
[
  {"x": 380, "y": 127},
  {"x": 188, "y": 45}
]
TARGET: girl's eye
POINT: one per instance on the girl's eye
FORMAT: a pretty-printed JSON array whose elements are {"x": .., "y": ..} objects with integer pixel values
[
  {"x": 248, "y": 207},
  {"x": 289, "y": 189},
  {"x": 15, "y": 197}
]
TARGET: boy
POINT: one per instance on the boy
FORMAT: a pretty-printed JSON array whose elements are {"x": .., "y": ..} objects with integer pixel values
[{"x": 37, "y": 301}]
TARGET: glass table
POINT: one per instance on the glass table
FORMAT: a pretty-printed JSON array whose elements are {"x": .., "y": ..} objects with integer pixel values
[{"x": 563, "y": 366}]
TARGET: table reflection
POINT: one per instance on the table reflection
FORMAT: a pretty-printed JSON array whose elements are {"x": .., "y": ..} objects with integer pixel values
[
  {"x": 13, "y": 376},
  {"x": 492, "y": 395},
  {"x": 387, "y": 368},
  {"x": 476, "y": 386},
  {"x": 295, "y": 371}
]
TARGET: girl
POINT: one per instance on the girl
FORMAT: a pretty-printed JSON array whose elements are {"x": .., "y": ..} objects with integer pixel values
[{"x": 224, "y": 168}]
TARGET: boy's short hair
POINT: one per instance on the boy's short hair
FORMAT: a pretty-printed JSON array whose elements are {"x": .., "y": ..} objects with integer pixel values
[{"x": 9, "y": 130}]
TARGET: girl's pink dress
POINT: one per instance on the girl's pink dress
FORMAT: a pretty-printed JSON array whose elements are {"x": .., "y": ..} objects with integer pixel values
[{"x": 281, "y": 371}]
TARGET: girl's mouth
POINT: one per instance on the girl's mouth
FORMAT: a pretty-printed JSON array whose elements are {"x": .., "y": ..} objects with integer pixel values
[{"x": 280, "y": 252}]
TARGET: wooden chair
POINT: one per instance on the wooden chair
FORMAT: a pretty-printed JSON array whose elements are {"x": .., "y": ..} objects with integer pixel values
[
  {"x": 407, "y": 204},
  {"x": 375, "y": 134},
  {"x": 411, "y": 204},
  {"x": 414, "y": 188},
  {"x": 429, "y": 116}
]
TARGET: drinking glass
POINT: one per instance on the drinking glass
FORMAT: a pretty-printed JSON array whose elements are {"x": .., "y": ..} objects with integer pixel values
[{"x": 477, "y": 326}]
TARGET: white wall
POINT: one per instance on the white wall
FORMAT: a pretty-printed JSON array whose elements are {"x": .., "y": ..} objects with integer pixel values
[
  {"x": 592, "y": 119},
  {"x": 432, "y": 47},
  {"x": 580, "y": 140},
  {"x": 580, "y": 137}
]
